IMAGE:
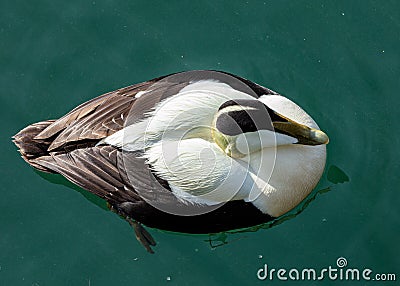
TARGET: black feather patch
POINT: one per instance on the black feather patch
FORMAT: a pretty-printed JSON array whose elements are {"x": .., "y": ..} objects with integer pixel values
[{"x": 249, "y": 116}]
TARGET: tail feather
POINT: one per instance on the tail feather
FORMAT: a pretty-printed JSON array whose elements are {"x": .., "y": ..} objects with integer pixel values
[{"x": 31, "y": 148}]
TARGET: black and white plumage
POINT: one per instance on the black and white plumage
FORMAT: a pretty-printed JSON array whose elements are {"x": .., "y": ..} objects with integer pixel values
[{"x": 193, "y": 152}]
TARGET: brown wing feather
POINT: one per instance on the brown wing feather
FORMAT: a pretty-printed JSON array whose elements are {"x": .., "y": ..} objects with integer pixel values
[
  {"x": 94, "y": 119},
  {"x": 93, "y": 169}
]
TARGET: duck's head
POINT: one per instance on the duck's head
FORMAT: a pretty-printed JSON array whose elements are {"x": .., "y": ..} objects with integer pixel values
[{"x": 244, "y": 126}]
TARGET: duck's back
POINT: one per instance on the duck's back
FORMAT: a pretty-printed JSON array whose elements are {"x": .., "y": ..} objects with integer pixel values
[{"x": 69, "y": 146}]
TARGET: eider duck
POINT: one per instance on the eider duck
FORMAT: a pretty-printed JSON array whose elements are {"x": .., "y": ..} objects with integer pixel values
[{"x": 192, "y": 152}]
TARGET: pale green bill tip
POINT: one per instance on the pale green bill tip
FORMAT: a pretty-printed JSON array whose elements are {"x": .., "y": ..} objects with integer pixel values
[{"x": 319, "y": 137}]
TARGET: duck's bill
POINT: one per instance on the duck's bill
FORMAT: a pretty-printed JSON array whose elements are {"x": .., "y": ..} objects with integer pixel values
[{"x": 305, "y": 135}]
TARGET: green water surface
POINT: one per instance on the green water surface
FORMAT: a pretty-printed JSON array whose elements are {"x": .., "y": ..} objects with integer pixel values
[{"x": 339, "y": 60}]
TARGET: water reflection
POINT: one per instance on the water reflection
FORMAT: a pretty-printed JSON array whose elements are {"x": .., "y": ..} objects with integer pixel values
[
  {"x": 336, "y": 175},
  {"x": 60, "y": 180}
]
